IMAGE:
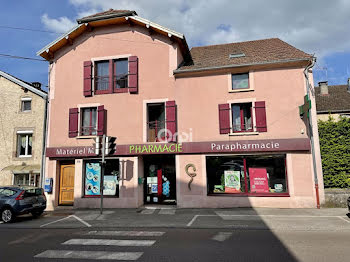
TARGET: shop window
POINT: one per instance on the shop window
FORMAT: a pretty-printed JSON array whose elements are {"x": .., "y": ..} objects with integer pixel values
[
  {"x": 110, "y": 179},
  {"x": 88, "y": 121},
  {"x": 156, "y": 122},
  {"x": 240, "y": 81},
  {"x": 242, "y": 117},
  {"x": 247, "y": 175},
  {"x": 24, "y": 144},
  {"x": 26, "y": 104}
]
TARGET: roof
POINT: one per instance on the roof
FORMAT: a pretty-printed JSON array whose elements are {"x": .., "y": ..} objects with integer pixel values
[
  {"x": 247, "y": 53},
  {"x": 111, "y": 13},
  {"x": 24, "y": 84},
  {"x": 337, "y": 100},
  {"x": 111, "y": 17}
]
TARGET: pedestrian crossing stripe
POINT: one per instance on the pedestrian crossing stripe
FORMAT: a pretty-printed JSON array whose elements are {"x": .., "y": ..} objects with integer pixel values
[
  {"x": 110, "y": 242},
  {"x": 98, "y": 255},
  {"x": 126, "y": 233}
]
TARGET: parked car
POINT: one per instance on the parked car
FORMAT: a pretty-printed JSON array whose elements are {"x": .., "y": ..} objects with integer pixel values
[{"x": 19, "y": 200}]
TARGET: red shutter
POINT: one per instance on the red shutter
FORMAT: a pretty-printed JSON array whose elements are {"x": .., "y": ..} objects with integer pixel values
[
  {"x": 260, "y": 115},
  {"x": 171, "y": 125},
  {"x": 73, "y": 122},
  {"x": 224, "y": 118},
  {"x": 133, "y": 74},
  {"x": 101, "y": 120},
  {"x": 87, "y": 78}
]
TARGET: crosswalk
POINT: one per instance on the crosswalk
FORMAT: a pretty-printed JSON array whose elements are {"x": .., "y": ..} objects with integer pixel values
[
  {"x": 87, "y": 239},
  {"x": 162, "y": 211}
]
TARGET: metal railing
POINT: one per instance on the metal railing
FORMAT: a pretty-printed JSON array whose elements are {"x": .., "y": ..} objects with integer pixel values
[{"x": 153, "y": 128}]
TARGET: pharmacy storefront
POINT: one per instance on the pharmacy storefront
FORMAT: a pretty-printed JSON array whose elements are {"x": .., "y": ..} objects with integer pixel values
[{"x": 259, "y": 173}]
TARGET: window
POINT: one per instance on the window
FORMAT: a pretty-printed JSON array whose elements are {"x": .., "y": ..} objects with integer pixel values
[
  {"x": 156, "y": 122},
  {"x": 247, "y": 175},
  {"x": 102, "y": 76},
  {"x": 88, "y": 121},
  {"x": 110, "y": 179},
  {"x": 240, "y": 81},
  {"x": 242, "y": 117},
  {"x": 26, "y": 104},
  {"x": 26, "y": 179},
  {"x": 24, "y": 145},
  {"x": 121, "y": 73}
]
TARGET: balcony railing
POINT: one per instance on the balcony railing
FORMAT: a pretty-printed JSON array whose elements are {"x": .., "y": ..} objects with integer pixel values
[
  {"x": 153, "y": 131},
  {"x": 88, "y": 131},
  {"x": 101, "y": 83},
  {"x": 247, "y": 127}
]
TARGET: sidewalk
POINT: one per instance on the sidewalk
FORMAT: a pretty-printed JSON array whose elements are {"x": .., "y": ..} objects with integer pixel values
[{"x": 167, "y": 217}]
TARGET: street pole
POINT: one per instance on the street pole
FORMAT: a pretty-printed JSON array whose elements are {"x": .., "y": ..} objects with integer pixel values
[{"x": 102, "y": 171}]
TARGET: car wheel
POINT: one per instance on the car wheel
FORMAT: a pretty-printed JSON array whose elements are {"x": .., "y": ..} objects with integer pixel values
[
  {"x": 7, "y": 215},
  {"x": 37, "y": 213}
]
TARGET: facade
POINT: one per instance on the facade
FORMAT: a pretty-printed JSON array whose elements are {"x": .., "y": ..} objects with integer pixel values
[
  {"x": 217, "y": 126},
  {"x": 22, "y": 127},
  {"x": 332, "y": 101}
]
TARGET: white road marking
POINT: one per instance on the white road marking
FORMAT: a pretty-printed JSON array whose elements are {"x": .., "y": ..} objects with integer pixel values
[
  {"x": 196, "y": 216},
  {"x": 126, "y": 233},
  {"x": 164, "y": 211},
  {"x": 1, "y": 222},
  {"x": 148, "y": 211},
  {"x": 344, "y": 219},
  {"x": 222, "y": 236},
  {"x": 110, "y": 242},
  {"x": 98, "y": 255},
  {"x": 62, "y": 219}
]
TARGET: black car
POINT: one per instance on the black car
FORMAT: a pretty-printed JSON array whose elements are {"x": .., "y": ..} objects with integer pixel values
[{"x": 19, "y": 200}]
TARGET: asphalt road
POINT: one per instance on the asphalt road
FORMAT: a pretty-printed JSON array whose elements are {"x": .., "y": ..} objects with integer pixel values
[{"x": 165, "y": 244}]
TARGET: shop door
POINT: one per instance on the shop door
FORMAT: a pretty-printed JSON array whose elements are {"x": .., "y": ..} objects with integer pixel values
[
  {"x": 67, "y": 185},
  {"x": 160, "y": 180}
]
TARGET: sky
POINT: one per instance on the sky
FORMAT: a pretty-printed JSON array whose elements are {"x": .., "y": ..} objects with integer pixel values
[{"x": 319, "y": 27}]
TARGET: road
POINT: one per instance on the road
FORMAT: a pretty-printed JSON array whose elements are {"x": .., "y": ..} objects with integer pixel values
[{"x": 179, "y": 235}]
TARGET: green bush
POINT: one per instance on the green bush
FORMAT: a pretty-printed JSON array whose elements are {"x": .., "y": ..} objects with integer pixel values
[{"x": 335, "y": 151}]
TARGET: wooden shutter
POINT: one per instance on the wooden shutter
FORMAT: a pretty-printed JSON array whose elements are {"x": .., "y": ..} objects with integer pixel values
[
  {"x": 260, "y": 115},
  {"x": 171, "y": 125},
  {"x": 224, "y": 118},
  {"x": 87, "y": 78},
  {"x": 101, "y": 120},
  {"x": 111, "y": 76},
  {"x": 73, "y": 122},
  {"x": 133, "y": 74}
]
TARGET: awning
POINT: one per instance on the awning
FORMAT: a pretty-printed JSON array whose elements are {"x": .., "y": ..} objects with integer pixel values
[{"x": 23, "y": 169}]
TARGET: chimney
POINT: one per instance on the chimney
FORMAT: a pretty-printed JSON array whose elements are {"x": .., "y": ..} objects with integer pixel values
[
  {"x": 323, "y": 88},
  {"x": 348, "y": 84}
]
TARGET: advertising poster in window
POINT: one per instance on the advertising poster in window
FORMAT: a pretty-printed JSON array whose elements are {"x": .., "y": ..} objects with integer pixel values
[
  {"x": 110, "y": 185},
  {"x": 258, "y": 180},
  {"x": 92, "y": 179},
  {"x": 232, "y": 181}
]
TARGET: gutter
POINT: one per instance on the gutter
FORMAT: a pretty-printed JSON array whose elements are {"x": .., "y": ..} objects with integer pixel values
[
  {"x": 179, "y": 71},
  {"x": 308, "y": 92},
  {"x": 104, "y": 17},
  {"x": 333, "y": 111},
  {"x": 46, "y": 118}
]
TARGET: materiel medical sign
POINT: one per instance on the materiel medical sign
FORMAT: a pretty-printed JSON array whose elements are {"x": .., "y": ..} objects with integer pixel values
[
  {"x": 258, "y": 180},
  {"x": 232, "y": 181},
  {"x": 92, "y": 179}
]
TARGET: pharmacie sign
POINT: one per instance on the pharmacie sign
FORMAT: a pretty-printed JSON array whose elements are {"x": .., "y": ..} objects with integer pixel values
[{"x": 214, "y": 147}]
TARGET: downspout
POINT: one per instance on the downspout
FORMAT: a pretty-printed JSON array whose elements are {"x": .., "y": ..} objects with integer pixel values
[
  {"x": 46, "y": 118},
  {"x": 308, "y": 92}
]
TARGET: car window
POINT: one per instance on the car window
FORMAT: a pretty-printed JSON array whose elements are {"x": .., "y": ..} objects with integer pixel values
[{"x": 7, "y": 192}]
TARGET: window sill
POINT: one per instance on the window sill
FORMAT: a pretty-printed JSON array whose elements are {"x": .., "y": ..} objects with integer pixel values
[
  {"x": 249, "y": 194},
  {"x": 28, "y": 156},
  {"x": 244, "y": 133},
  {"x": 86, "y": 137},
  {"x": 240, "y": 90}
]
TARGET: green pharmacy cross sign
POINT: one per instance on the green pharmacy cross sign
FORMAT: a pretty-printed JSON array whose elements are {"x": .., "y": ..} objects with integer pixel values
[{"x": 305, "y": 108}]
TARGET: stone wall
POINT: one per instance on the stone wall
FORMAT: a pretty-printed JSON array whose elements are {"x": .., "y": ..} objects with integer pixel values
[{"x": 336, "y": 197}]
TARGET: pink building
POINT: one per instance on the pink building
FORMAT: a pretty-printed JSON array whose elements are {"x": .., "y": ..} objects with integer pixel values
[{"x": 214, "y": 126}]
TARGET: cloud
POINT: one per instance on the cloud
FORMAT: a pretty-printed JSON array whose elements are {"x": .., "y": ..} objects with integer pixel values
[
  {"x": 59, "y": 25},
  {"x": 315, "y": 27}
]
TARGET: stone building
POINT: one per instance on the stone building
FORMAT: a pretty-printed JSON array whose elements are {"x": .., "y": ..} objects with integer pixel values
[{"x": 22, "y": 124}]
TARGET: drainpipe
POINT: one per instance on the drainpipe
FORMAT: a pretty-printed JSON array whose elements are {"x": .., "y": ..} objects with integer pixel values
[
  {"x": 308, "y": 91},
  {"x": 46, "y": 118}
]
